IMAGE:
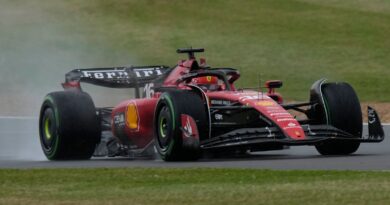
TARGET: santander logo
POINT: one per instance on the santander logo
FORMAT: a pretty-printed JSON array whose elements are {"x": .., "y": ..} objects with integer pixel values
[
  {"x": 188, "y": 127},
  {"x": 291, "y": 124}
]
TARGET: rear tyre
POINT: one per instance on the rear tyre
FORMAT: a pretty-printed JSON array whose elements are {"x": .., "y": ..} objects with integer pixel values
[
  {"x": 342, "y": 110},
  {"x": 68, "y": 126},
  {"x": 168, "y": 130}
]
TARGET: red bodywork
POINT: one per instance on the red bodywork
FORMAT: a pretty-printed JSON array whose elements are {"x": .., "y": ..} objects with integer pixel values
[
  {"x": 262, "y": 102},
  {"x": 143, "y": 134}
]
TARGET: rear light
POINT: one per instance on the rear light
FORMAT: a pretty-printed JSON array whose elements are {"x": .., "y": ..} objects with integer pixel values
[{"x": 132, "y": 116}]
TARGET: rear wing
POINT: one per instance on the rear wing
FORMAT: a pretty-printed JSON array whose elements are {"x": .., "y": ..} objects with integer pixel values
[{"x": 118, "y": 77}]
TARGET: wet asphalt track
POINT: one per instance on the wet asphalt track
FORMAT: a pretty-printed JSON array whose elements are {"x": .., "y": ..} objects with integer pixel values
[{"x": 20, "y": 148}]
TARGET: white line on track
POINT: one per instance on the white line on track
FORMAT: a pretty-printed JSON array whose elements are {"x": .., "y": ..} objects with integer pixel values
[
  {"x": 19, "y": 117},
  {"x": 384, "y": 124}
]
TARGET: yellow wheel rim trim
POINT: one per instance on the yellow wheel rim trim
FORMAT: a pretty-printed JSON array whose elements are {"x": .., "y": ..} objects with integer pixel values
[{"x": 47, "y": 128}]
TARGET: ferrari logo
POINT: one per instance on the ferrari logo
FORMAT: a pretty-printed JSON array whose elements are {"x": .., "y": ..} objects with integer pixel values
[{"x": 208, "y": 78}]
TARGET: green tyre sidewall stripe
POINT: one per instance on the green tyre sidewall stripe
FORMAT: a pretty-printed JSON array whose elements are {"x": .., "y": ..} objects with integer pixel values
[
  {"x": 54, "y": 149},
  {"x": 325, "y": 102},
  {"x": 326, "y": 107},
  {"x": 167, "y": 97},
  {"x": 170, "y": 104}
]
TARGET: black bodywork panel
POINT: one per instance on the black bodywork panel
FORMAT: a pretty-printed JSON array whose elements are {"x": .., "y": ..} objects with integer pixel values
[{"x": 117, "y": 77}]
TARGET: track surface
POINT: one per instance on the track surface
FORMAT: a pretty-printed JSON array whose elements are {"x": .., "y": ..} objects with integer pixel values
[{"x": 20, "y": 148}]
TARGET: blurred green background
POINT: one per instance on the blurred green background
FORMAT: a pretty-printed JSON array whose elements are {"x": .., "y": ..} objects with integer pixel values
[{"x": 297, "y": 41}]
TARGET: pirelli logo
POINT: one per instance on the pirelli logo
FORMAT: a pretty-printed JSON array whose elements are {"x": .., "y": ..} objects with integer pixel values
[
  {"x": 122, "y": 73},
  {"x": 147, "y": 72}
]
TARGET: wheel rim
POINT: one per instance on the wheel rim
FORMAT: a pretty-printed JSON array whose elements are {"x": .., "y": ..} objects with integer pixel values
[
  {"x": 164, "y": 130},
  {"x": 163, "y": 127},
  {"x": 47, "y": 124},
  {"x": 48, "y": 130}
]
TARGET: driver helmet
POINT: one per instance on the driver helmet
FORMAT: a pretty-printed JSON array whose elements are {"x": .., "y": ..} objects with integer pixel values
[{"x": 207, "y": 82}]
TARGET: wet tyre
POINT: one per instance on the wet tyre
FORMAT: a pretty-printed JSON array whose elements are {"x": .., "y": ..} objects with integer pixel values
[
  {"x": 68, "y": 126},
  {"x": 342, "y": 110},
  {"x": 168, "y": 128}
]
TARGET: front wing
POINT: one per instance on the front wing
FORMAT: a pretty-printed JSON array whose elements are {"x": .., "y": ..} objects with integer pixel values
[{"x": 272, "y": 136}]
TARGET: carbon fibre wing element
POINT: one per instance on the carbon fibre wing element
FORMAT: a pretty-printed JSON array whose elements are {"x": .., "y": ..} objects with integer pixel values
[
  {"x": 263, "y": 137},
  {"x": 118, "y": 77},
  {"x": 375, "y": 129}
]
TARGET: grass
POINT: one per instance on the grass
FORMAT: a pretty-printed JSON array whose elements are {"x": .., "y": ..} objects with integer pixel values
[
  {"x": 192, "y": 186},
  {"x": 297, "y": 41}
]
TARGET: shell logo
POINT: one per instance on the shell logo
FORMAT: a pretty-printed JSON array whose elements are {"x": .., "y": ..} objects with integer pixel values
[
  {"x": 132, "y": 116},
  {"x": 298, "y": 134},
  {"x": 265, "y": 103}
]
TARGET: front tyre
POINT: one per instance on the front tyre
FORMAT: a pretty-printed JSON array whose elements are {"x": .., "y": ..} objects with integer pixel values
[
  {"x": 170, "y": 142},
  {"x": 341, "y": 109},
  {"x": 68, "y": 126}
]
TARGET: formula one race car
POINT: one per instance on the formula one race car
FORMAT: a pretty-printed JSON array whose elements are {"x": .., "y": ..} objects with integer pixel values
[{"x": 190, "y": 109}]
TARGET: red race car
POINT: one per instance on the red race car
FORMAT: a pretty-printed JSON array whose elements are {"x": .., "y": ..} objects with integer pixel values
[{"x": 189, "y": 109}]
